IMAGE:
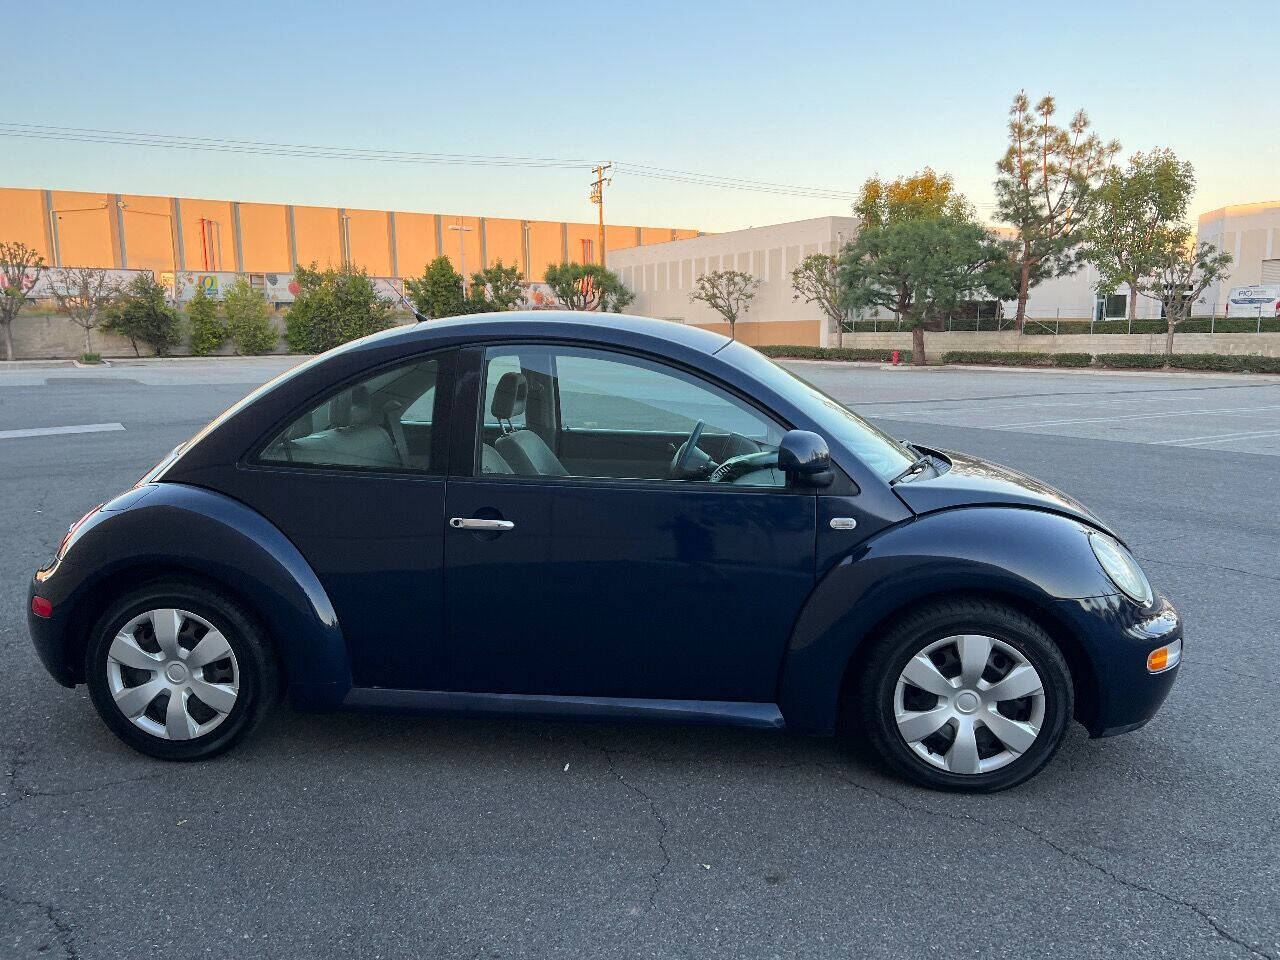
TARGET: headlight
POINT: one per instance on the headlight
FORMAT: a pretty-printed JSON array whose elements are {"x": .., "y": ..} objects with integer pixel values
[{"x": 1119, "y": 565}]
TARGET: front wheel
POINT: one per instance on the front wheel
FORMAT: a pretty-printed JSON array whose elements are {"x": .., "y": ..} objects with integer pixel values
[
  {"x": 179, "y": 671},
  {"x": 966, "y": 695}
]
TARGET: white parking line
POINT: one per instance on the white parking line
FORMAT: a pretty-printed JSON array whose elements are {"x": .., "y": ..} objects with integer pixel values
[
  {"x": 1221, "y": 438},
  {"x": 54, "y": 431},
  {"x": 1139, "y": 416}
]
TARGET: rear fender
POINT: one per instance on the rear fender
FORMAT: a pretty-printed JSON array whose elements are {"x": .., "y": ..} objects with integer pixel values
[{"x": 166, "y": 529}]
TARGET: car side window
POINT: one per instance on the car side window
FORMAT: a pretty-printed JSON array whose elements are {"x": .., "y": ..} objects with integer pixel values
[
  {"x": 383, "y": 423},
  {"x": 616, "y": 416}
]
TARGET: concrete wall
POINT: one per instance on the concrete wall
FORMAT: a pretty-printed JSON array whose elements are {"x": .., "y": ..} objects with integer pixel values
[
  {"x": 124, "y": 231},
  {"x": 936, "y": 344},
  {"x": 55, "y": 337}
]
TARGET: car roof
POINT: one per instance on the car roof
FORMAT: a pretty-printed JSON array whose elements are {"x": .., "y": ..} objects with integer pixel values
[{"x": 571, "y": 324}]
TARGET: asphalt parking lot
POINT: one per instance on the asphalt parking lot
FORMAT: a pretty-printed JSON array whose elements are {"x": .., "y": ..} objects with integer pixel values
[{"x": 387, "y": 836}]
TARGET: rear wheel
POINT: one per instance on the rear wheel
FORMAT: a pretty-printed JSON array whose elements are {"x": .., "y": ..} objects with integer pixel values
[
  {"x": 966, "y": 695},
  {"x": 179, "y": 671}
]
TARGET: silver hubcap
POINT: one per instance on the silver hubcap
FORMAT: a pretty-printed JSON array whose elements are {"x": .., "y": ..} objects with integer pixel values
[
  {"x": 969, "y": 704},
  {"x": 172, "y": 674}
]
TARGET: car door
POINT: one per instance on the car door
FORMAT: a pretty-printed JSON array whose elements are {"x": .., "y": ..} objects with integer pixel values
[
  {"x": 611, "y": 579},
  {"x": 356, "y": 481}
]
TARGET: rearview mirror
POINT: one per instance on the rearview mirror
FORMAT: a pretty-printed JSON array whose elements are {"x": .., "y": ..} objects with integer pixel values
[{"x": 805, "y": 458}]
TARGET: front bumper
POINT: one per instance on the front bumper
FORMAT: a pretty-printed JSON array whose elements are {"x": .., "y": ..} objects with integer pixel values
[{"x": 1118, "y": 636}]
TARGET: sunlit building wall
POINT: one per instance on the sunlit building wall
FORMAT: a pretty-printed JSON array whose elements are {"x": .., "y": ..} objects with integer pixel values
[{"x": 127, "y": 231}]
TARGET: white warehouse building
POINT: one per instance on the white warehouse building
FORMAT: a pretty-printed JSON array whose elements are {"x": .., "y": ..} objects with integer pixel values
[{"x": 662, "y": 275}]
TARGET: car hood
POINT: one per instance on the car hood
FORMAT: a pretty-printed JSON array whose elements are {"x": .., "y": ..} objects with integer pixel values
[{"x": 972, "y": 481}]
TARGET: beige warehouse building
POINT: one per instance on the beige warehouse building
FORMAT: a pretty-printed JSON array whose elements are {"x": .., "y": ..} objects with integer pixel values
[{"x": 662, "y": 277}]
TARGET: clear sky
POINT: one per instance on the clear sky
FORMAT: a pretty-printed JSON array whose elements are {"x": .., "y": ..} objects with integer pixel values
[{"x": 814, "y": 93}]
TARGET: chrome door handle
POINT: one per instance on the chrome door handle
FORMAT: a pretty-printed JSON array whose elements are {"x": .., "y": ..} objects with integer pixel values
[{"x": 474, "y": 523}]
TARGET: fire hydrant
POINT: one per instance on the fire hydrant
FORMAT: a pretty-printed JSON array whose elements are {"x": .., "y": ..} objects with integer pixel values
[{"x": 896, "y": 357}]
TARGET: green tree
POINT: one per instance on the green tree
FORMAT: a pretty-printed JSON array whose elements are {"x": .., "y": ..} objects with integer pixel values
[
  {"x": 208, "y": 329},
  {"x": 20, "y": 269},
  {"x": 1138, "y": 210},
  {"x": 438, "y": 292},
  {"x": 727, "y": 292},
  {"x": 587, "y": 286},
  {"x": 1045, "y": 188},
  {"x": 333, "y": 307},
  {"x": 248, "y": 319},
  {"x": 817, "y": 280},
  {"x": 142, "y": 314},
  {"x": 920, "y": 259},
  {"x": 498, "y": 287},
  {"x": 1183, "y": 271}
]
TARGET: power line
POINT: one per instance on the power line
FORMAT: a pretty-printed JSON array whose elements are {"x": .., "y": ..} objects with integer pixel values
[
  {"x": 223, "y": 145},
  {"x": 318, "y": 152},
  {"x": 685, "y": 176}
]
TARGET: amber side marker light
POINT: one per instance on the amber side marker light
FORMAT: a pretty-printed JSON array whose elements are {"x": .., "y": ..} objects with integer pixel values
[
  {"x": 1164, "y": 658},
  {"x": 41, "y": 607}
]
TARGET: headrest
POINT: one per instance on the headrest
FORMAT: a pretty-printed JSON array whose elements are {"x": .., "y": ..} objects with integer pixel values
[
  {"x": 351, "y": 408},
  {"x": 510, "y": 396}
]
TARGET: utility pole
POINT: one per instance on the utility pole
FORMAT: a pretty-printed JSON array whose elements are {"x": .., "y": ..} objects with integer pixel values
[{"x": 597, "y": 197}]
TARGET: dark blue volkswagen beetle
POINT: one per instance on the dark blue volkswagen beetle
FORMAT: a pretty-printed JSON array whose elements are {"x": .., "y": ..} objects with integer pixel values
[{"x": 569, "y": 514}]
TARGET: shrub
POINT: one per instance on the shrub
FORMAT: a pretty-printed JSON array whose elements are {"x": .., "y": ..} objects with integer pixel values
[
  {"x": 1146, "y": 361},
  {"x": 1222, "y": 361},
  {"x": 141, "y": 314},
  {"x": 248, "y": 322},
  {"x": 438, "y": 292},
  {"x": 90, "y": 358},
  {"x": 829, "y": 353},
  {"x": 208, "y": 330},
  {"x": 333, "y": 307},
  {"x": 1072, "y": 359},
  {"x": 1003, "y": 358}
]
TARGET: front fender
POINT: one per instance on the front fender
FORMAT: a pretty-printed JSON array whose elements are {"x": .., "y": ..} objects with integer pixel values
[
  {"x": 1037, "y": 557},
  {"x": 172, "y": 528}
]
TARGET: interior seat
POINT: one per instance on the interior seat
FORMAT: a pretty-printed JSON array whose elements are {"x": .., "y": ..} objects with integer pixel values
[
  {"x": 491, "y": 461},
  {"x": 354, "y": 437},
  {"x": 524, "y": 451}
]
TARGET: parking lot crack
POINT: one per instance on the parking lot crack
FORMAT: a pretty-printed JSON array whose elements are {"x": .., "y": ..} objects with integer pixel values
[
  {"x": 15, "y": 790},
  {"x": 53, "y": 914},
  {"x": 1215, "y": 566},
  {"x": 657, "y": 874},
  {"x": 1078, "y": 858}
]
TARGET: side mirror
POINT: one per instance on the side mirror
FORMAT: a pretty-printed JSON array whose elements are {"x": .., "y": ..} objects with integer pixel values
[{"x": 805, "y": 458}]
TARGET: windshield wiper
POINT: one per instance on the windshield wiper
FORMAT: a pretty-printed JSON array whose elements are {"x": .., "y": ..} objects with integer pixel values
[{"x": 917, "y": 465}]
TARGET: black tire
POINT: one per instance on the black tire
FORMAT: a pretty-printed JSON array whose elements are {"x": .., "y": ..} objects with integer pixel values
[
  {"x": 258, "y": 675},
  {"x": 890, "y": 654}
]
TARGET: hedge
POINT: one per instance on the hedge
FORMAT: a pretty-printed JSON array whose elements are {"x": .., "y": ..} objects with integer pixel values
[
  {"x": 789, "y": 352},
  {"x": 1072, "y": 359},
  {"x": 1222, "y": 361},
  {"x": 1006, "y": 358},
  {"x": 1146, "y": 360}
]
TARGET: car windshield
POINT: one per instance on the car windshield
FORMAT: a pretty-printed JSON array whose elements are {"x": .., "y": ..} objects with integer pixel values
[{"x": 879, "y": 451}]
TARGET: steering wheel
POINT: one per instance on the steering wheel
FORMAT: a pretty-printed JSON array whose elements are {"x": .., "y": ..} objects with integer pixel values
[
  {"x": 740, "y": 466},
  {"x": 680, "y": 462}
]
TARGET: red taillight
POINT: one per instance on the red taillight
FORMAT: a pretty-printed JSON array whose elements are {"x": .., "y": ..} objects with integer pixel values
[{"x": 41, "y": 607}]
